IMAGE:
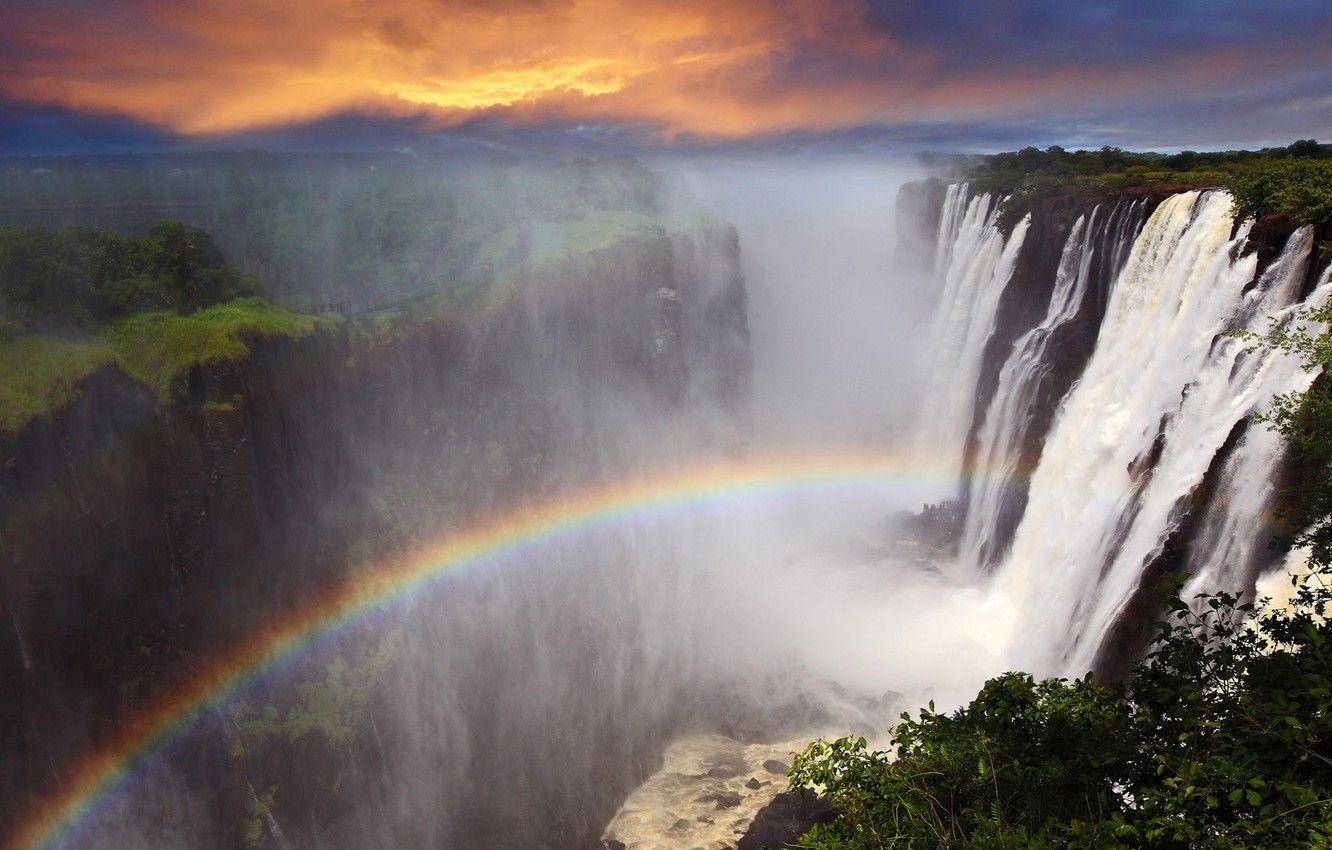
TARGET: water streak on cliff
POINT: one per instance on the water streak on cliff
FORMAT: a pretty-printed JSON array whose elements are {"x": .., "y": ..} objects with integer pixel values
[
  {"x": 1032, "y": 377},
  {"x": 974, "y": 263},
  {"x": 1235, "y": 539}
]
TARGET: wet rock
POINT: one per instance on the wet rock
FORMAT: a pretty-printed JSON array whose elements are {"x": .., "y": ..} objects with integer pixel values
[
  {"x": 724, "y": 800},
  {"x": 774, "y": 766},
  {"x": 781, "y": 823},
  {"x": 706, "y": 795}
]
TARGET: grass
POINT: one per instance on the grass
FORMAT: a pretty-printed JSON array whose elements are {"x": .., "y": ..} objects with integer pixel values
[
  {"x": 558, "y": 242},
  {"x": 552, "y": 245},
  {"x": 158, "y": 348},
  {"x": 40, "y": 373}
]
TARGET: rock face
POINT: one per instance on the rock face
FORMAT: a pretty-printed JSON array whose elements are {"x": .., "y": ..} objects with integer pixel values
[
  {"x": 781, "y": 823},
  {"x": 707, "y": 795},
  {"x": 136, "y": 538},
  {"x": 918, "y": 206}
]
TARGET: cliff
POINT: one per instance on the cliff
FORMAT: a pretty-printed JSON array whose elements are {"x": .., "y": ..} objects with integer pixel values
[
  {"x": 141, "y": 531},
  {"x": 917, "y": 211}
]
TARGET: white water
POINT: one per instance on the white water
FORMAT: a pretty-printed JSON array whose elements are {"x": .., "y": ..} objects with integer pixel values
[
  {"x": 974, "y": 262},
  {"x": 1233, "y": 541},
  {"x": 1160, "y": 382},
  {"x": 1000, "y": 441}
]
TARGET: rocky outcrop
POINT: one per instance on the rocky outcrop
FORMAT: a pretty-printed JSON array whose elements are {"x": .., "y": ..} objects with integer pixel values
[
  {"x": 1269, "y": 234},
  {"x": 782, "y": 822},
  {"x": 707, "y": 794}
]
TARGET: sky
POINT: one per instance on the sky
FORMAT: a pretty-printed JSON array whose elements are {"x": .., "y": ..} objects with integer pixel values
[{"x": 630, "y": 75}]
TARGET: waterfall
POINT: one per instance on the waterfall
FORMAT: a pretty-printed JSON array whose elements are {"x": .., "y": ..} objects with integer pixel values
[
  {"x": 974, "y": 262},
  {"x": 1040, "y": 368},
  {"x": 1000, "y": 441},
  {"x": 1133, "y": 440},
  {"x": 1234, "y": 542}
]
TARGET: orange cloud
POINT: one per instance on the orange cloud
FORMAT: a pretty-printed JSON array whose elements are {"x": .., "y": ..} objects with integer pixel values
[
  {"x": 720, "y": 68},
  {"x": 217, "y": 67}
]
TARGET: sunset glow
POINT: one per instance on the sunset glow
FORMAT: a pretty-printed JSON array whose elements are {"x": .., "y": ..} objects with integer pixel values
[{"x": 731, "y": 69}]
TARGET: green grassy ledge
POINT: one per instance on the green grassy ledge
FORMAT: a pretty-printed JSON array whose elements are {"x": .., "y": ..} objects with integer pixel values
[
  {"x": 40, "y": 372},
  {"x": 157, "y": 348}
]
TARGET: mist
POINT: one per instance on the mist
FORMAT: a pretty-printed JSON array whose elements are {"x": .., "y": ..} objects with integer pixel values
[
  {"x": 836, "y": 312},
  {"x": 519, "y": 704}
]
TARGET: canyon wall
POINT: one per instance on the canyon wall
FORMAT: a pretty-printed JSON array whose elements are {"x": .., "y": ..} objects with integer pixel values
[{"x": 140, "y": 535}]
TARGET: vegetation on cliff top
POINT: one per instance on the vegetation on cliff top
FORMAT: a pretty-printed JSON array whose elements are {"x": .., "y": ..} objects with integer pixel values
[
  {"x": 158, "y": 347},
  {"x": 77, "y": 299},
  {"x": 392, "y": 238},
  {"x": 1298, "y": 188},
  {"x": 355, "y": 232},
  {"x": 1295, "y": 180},
  {"x": 40, "y": 373},
  {"x": 82, "y": 277}
]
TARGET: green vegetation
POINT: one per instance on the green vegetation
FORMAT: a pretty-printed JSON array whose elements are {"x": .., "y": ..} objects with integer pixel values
[
  {"x": 392, "y": 240},
  {"x": 356, "y": 232},
  {"x": 536, "y": 246},
  {"x": 1299, "y": 188},
  {"x": 1220, "y": 738},
  {"x": 83, "y": 277},
  {"x": 158, "y": 348},
  {"x": 77, "y": 299},
  {"x": 40, "y": 373},
  {"x": 326, "y": 719},
  {"x": 1295, "y": 180}
]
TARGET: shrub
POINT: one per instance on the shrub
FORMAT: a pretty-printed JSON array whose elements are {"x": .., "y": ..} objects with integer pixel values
[
  {"x": 1222, "y": 738},
  {"x": 1300, "y": 188},
  {"x": 80, "y": 276}
]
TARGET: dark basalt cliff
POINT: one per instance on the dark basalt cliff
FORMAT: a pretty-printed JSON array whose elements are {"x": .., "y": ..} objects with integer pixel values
[{"x": 137, "y": 538}]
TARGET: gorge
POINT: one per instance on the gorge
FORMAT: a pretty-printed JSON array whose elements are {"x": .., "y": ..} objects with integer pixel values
[{"x": 730, "y": 394}]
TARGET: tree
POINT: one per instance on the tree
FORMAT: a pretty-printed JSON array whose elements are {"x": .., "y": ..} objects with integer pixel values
[
  {"x": 1299, "y": 188},
  {"x": 1305, "y": 147},
  {"x": 81, "y": 276}
]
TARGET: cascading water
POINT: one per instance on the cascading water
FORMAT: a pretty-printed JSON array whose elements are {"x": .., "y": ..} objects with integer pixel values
[
  {"x": 1234, "y": 540},
  {"x": 1040, "y": 367},
  {"x": 1000, "y": 441},
  {"x": 975, "y": 262},
  {"x": 1137, "y": 435}
]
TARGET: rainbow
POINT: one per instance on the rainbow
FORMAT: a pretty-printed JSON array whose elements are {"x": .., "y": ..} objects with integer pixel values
[{"x": 57, "y": 820}]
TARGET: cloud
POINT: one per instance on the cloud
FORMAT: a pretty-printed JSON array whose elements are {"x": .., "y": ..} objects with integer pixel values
[
  {"x": 686, "y": 70},
  {"x": 210, "y": 67}
]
